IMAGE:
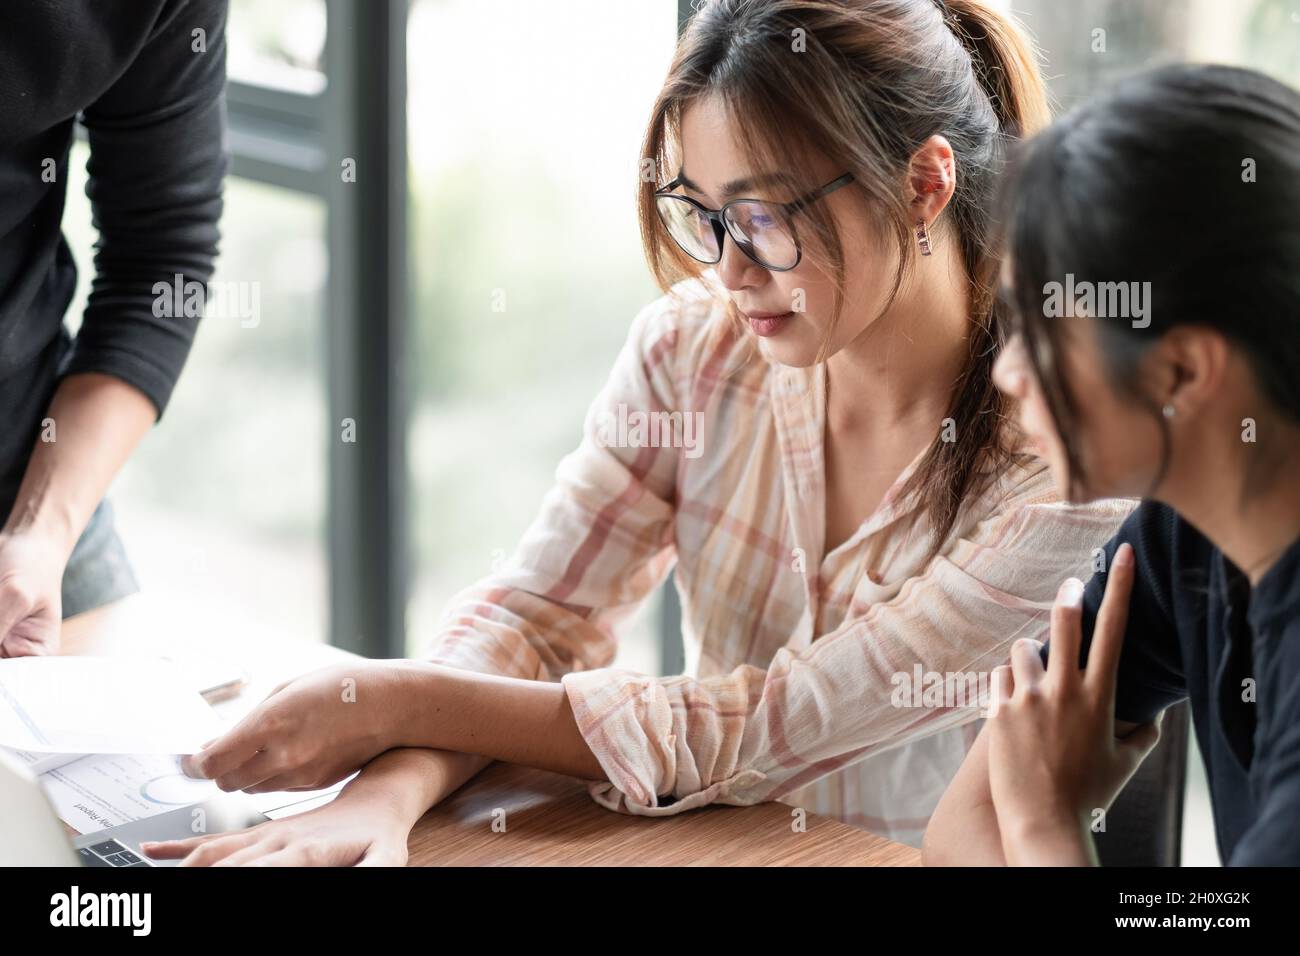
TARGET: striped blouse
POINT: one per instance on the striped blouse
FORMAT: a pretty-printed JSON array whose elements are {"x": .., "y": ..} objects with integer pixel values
[{"x": 844, "y": 683}]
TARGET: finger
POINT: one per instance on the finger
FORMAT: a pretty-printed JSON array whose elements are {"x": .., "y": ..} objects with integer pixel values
[
  {"x": 187, "y": 760},
  {"x": 1004, "y": 685},
  {"x": 1112, "y": 620},
  {"x": 1067, "y": 632},
  {"x": 293, "y": 780},
  {"x": 171, "y": 849},
  {"x": 232, "y": 750},
  {"x": 380, "y": 855},
  {"x": 1142, "y": 740},
  {"x": 252, "y": 772},
  {"x": 1026, "y": 663},
  {"x": 225, "y": 844},
  {"x": 15, "y": 605},
  {"x": 25, "y": 647}
]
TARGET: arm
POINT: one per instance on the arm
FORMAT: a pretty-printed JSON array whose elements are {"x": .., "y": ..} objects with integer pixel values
[
  {"x": 98, "y": 421},
  {"x": 963, "y": 830},
  {"x": 740, "y": 738},
  {"x": 156, "y": 169}
]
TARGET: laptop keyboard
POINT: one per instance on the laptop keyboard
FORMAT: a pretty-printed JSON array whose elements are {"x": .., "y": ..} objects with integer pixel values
[{"x": 109, "y": 853}]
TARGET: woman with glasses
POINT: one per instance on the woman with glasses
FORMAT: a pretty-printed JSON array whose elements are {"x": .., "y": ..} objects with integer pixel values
[{"x": 805, "y": 426}]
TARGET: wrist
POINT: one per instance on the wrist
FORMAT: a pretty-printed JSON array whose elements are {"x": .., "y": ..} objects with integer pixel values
[
  {"x": 1047, "y": 837},
  {"x": 53, "y": 527},
  {"x": 403, "y": 784}
]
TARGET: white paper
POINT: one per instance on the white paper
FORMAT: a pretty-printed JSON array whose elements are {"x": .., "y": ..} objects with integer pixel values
[
  {"x": 101, "y": 705},
  {"x": 105, "y": 790},
  {"x": 39, "y": 763}
]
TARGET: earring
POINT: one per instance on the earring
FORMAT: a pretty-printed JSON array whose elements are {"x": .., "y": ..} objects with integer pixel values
[
  {"x": 1169, "y": 411},
  {"x": 922, "y": 237}
]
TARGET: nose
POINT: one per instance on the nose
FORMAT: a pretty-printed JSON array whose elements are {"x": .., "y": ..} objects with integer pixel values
[{"x": 736, "y": 270}]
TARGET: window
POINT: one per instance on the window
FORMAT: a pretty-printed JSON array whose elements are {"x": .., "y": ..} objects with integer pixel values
[
  {"x": 527, "y": 261},
  {"x": 222, "y": 506},
  {"x": 279, "y": 45}
]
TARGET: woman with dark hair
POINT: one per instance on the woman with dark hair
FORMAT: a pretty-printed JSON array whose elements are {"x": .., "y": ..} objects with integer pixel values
[
  {"x": 805, "y": 425},
  {"x": 1186, "y": 180}
]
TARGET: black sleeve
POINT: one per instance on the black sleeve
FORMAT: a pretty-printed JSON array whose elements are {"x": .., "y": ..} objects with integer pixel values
[
  {"x": 157, "y": 164},
  {"x": 1151, "y": 675}
]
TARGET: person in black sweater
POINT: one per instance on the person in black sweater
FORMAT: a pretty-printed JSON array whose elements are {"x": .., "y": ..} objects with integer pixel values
[
  {"x": 1188, "y": 179},
  {"x": 146, "y": 78}
]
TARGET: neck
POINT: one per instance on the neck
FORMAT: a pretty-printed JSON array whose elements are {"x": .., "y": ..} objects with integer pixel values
[
  {"x": 1251, "y": 518},
  {"x": 901, "y": 369}
]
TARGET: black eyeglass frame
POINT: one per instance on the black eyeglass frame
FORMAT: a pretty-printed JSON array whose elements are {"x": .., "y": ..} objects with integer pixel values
[{"x": 717, "y": 218}]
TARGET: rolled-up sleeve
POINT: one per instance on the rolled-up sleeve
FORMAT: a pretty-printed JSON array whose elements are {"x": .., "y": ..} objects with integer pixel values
[
  {"x": 751, "y": 735},
  {"x": 156, "y": 169}
]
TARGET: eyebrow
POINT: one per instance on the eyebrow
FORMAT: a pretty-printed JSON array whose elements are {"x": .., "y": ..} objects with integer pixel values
[{"x": 730, "y": 189}]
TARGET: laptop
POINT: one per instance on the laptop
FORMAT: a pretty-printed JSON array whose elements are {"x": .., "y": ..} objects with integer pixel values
[{"x": 31, "y": 833}]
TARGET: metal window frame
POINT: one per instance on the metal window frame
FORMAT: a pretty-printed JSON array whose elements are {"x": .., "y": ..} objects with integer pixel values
[{"x": 298, "y": 141}]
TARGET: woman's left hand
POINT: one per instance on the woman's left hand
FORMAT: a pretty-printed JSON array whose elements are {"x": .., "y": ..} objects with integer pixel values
[
  {"x": 310, "y": 732},
  {"x": 355, "y": 829},
  {"x": 1054, "y": 759}
]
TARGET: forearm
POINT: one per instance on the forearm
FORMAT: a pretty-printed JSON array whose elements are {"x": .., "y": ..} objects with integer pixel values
[
  {"x": 97, "y": 422},
  {"x": 963, "y": 830},
  {"x": 518, "y": 721},
  {"x": 410, "y": 780}
]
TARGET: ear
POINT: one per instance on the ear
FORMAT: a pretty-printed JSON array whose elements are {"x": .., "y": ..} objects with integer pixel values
[
  {"x": 931, "y": 179},
  {"x": 1195, "y": 362}
]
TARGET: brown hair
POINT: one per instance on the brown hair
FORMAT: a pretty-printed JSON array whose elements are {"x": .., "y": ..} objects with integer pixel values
[{"x": 865, "y": 83}]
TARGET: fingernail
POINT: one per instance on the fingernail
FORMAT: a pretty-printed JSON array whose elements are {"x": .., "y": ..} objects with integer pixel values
[
  {"x": 1070, "y": 593},
  {"x": 1123, "y": 556}
]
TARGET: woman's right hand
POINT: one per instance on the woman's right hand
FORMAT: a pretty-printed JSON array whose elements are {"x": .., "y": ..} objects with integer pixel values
[{"x": 361, "y": 828}]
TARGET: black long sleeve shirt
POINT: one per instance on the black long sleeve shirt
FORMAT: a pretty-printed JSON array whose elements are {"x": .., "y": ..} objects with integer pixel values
[
  {"x": 1198, "y": 630},
  {"x": 149, "y": 89}
]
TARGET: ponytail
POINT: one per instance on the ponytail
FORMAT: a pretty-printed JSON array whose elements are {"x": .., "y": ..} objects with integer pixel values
[{"x": 1004, "y": 60}]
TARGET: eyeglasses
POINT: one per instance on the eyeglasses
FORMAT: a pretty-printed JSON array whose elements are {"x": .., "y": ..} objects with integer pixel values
[{"x": 763, "y": 231}]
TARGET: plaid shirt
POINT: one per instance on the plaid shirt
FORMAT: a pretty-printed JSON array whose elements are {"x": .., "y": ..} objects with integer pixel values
[{"x": 701, "y": 453}]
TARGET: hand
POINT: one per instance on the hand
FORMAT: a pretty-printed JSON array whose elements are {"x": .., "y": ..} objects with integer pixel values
[
  {"x": 355, "y": 829},
  {"x": 310, "y": 732},
  {"x": 31, "y": 595},
  {"x": 1053, "y": 755}
]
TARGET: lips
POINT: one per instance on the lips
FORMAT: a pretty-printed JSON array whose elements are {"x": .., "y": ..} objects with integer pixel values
[{"x": 768, "y": 323}]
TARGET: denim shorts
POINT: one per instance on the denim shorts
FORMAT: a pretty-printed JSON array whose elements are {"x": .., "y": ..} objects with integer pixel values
[{"x": 98, "y": 571}]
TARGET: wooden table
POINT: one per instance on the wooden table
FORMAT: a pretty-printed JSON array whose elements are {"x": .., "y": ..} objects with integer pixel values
[{"x": 549, "y": 819}]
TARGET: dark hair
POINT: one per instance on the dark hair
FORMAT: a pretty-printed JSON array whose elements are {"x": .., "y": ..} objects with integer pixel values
[
  {"x": 1151, "y": 182},
  {"x": 872, "y": 81}
]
